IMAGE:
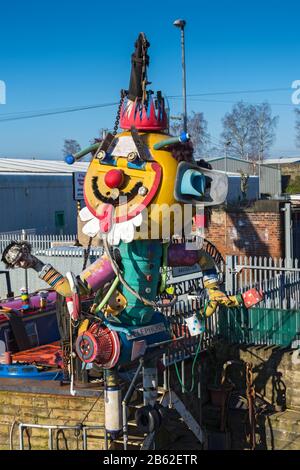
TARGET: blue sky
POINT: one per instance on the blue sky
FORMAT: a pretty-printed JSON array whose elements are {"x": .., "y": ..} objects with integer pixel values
[{"x": 61, "y": 53}]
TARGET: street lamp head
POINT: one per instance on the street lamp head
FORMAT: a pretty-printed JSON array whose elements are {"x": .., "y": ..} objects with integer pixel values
[{"x": 179, "y": 23}]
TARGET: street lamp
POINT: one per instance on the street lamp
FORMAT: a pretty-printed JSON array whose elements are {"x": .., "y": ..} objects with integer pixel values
[
  {"x": 181, "y": 24},
  {"x": 227, "y": 144}
]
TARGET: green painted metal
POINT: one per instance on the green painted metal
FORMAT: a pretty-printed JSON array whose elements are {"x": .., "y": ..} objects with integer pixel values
[
  {"x": 141, "y": 261},
  {"x": 260, "y": 326}
]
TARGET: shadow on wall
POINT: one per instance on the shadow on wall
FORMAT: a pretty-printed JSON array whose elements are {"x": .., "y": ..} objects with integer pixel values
[
  {"x": 246, "y": 237},
  {"x": 269, "y": 383}
]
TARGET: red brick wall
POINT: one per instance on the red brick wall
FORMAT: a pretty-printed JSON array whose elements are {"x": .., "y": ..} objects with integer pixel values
[{"x": 247, "y": 233}]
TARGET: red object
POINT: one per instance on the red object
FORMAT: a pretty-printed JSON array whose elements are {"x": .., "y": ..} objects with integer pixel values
[
  {"x": 99, "y": 344},
  {"x": 252, "y": 297},
  {"x": 114, "y": 178},
  {"x": 49, "y": 354},
  {"x": 136, "y": 114}
]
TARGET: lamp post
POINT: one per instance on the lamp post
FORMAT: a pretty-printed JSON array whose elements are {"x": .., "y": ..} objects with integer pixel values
[
  {"x": 227, "y": 144},
  {"x": 181, "y": 24}
]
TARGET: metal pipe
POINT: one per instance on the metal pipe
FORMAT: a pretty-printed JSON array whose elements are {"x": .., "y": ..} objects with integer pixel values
[
  {"x": 183, "y": 79},
  {"x": 70, "y": 159},
  {"x": 288, "y": 233},
  {"x": 21, "y": 436},
  {"x": 183, "y": 376},
  {"x": 181, "y": 24},
  {"x": 50, "y": 442},
  {"x": 184, "y": 137},
  {"x": 125, "y": 401}
]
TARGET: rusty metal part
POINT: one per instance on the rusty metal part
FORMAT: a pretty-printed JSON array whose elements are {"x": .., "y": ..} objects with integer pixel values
[{"x": 250, "y": 393}]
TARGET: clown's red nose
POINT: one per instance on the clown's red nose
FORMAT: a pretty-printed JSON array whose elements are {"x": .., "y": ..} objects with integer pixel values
[{"x": 114, "y": 178}]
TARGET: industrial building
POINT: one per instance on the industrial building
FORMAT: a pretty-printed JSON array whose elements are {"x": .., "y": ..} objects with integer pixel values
[
  {"x": 269, "y": 175},
  {"x": 38, "y": 194}
]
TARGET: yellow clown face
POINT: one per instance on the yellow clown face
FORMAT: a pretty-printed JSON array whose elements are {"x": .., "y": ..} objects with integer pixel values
[{"x": 132, "y": 190}]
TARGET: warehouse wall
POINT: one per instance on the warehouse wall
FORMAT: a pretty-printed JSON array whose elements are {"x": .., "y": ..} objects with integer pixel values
[
  {"x": 31, "y": 201},
  {"x": 270, "y": 176}
]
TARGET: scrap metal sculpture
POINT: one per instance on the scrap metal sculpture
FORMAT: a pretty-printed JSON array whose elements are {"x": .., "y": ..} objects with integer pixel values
[{"x": 141, "y": 190}]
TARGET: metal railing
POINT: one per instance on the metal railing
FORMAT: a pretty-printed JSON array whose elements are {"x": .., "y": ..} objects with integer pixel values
[
  {"x": 276, "y": 320},
  {"x": 279, "y": 278},
  {"x": 83, "y": 429}
]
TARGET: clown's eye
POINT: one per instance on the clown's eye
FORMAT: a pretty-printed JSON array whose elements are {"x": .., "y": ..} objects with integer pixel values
[
  {"x": 134, "y": 161},
  {"x": 132, "y": 157},
  {"x": 101, "y": 155}
]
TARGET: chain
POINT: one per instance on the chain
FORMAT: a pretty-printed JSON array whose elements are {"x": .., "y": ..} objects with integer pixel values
[
  {"x": 251, "y": 400},
  {"x": 116, "y": 126}
]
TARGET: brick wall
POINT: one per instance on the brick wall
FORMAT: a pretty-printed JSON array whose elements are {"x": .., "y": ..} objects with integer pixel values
[
  {"x": 39, "y": 407},
  {"x": 254, "y": 231}
]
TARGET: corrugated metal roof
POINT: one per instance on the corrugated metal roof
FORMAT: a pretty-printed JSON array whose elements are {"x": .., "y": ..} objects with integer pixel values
[
  {"x": 19, "y": 165},
  {"x": 281, "y": 160}
]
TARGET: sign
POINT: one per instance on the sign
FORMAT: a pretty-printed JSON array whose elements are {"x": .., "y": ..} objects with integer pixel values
[
  {"x": 147, "y": 330},
  {"x": 179, "y": 271},
  {"x": 78, "y": 182}
]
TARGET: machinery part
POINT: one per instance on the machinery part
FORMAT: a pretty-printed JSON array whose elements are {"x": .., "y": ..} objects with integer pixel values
[
  {"x": 208, "y": 186},
  {"x": 150, "y": 383},
  {"x": 73, "y": 302},
  {"x": 184, "y": 137},
  {"x": 148, "y": 419},
  {"x": 113, "y": 404},
  {"x": 162, "y": 411},
  {"x": 250, "y": 393},
  {"x": 126, "y": 285},
  {"x": 98, "y": 344},
  {"x": 70, "y": 159}
]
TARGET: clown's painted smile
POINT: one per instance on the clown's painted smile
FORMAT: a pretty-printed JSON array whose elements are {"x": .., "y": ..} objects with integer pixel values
[{"x": 114, "y": 201}]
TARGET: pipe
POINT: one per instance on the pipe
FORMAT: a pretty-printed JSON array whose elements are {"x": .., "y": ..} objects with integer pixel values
[
  {"x": 70, "y": 159},
  {"x": 108, "y": 295},
  {"x": 184, "y": 137}
]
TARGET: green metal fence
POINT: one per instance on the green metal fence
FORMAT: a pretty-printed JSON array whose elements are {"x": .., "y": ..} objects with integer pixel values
[{"x": 265, "y": 326}]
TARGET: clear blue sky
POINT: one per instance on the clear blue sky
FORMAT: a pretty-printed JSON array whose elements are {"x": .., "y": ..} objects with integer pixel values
[{"x": 60, "y": 53}]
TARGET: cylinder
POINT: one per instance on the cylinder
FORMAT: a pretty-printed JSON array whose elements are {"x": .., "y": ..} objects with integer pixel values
[{"x": 113, "y": 404}]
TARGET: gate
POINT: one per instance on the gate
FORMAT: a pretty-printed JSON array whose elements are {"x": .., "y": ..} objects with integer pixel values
[
  {"x": 277, "y": 319},
  {"x": 296, "y": 232}
]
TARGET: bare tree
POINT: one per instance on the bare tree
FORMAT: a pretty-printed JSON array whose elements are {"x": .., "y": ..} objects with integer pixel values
[
  {"x": 250, "y": 129},
  {"x": 197, "y": 128},
  {"x": 297, "y": 127},
  {"x": 238, "y": 129},
  {"x": 263, "y": 131},
  {"x": 70, "y": 147}
]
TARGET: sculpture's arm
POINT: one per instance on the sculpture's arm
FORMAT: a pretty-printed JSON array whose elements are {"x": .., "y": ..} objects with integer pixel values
[
  {"x": 178, "y": 255},
  {"x": 18, "y": 254}
]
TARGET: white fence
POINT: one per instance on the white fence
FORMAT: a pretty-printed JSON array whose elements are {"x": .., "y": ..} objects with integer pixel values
[
  {"x": 279, "y": 278},
  {"x": 38, "y": 242}
]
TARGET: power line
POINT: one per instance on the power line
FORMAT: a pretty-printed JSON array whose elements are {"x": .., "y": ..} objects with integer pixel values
[
  {"x": 51, "y": 112},
  {"x": 234, "y": 92},
  {"x": 247, "y": 102}
]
